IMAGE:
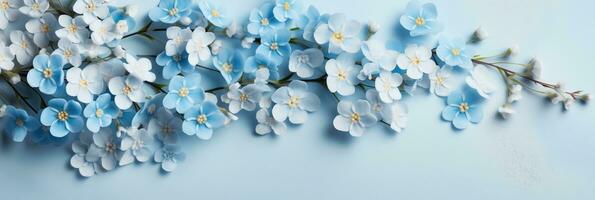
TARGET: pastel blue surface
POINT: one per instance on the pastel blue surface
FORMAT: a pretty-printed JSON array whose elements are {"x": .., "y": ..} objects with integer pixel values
[{"x": 541, "y": 153}]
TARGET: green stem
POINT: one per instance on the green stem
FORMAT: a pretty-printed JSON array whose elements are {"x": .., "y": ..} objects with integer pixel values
[{"x": 20, "y": 96}]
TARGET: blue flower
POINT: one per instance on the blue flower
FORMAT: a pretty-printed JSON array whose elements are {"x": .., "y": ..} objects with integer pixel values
[
  {"x": 100, "y": 112},
  {"x": 170, "y": 11},
  {"x": 462, "y": 108},
  {"x": 169, "y": 156},
  {"x": 47, "y": 73},
  {"x": 455, "y": 53},
  {"x": 184, "y": 92},
  {"x": 118, "y": 15},
  {"x": 62, "y": 117},
  {"x": 285, "y": 9},
  {"x": 230, "y": 65},
  {"x": 340, "y": 33},
  {"x": 262, "y": 20},
  {"x": 165, "y": 126},
  {"x": 202, "y": 119},
  {"x": 294, "y": 102},
  {"x": 173, "y": 65},
  {"x": 17, "y": 123},
  {"x": 256, "y": 62},
  {"x": 146, "y": 113},
  {"x": 213, "y": 14},
  {"x": 275, "y": 45},
  {"x": 421, "y": 19}
]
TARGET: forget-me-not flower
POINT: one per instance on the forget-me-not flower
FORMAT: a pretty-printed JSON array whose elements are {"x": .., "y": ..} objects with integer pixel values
[
  {"x": 43, "y": 29},
  {"x": 230, "y": 64},
  {"x": 73, "y": 29},
  {"x": 6, "y": 58},
  {"x": 377, "y": 107},
  {"x": 47, "y": 73},
  {"x": 174, "y": 64},
  {"x": 342, "y": 74},
  {"x": 139, "y": 68},
  {"x": 127, "y": 89},
  {"x": 387, "y": 85},
  {"x": 421, "y": 19},
  {"x": 137, "y": 144},
  {"x": 481, "y": 80},
  {"x": 79, "y": 160},
  {"x": 177, "y": 40},
  {"x": 257, "y": 62},
  {"x": 165, "y": 126},
  {"x": 441, "y": 82},
  {"x": 170, "y": 11},
  {"x": 462, "y": 108},
  {"x": 200, "y": 120},
  {"x": 91, "y": 9},
  {"x": 104, "y": 149},
  {"x": 84, "y": 84},
  {"x": 455, "y": 53},
  {"x": 103, "y": 31},
  {"x": 22, "y": 47},
  {"x": 396, "y": 117},
  {"x": 63, "y": 117},
  {"x": 417, "y": 60},
  {"x": 285, "y": 9},
  {"x": 198, "y": 46},
  {"x": 262, "y": 20},
  {"x": 169, "y": 156},
  {"x": 267, "y": 123},
  {"x": 8, "y": 12},
  {"x": 304, "y": 63},
  {"x": 70, "y": 51},
  {"x": 118, "y": 15},
  {"x": 213, "y": 14},
  {"x": 294, "y": 102},
  {"x": 184, "y": 92},
  {"x": 354, "y": 117},
  {"x": 100, "y": 112},
  {"x": 340, "y": 33},
  {"x": 148, "y": 111},
  {"x": 275, "y": 45},
  {"x": 17, "y": 123},
  {"x": 244, "y": 98},
  {"x": 34, "y": 8}
]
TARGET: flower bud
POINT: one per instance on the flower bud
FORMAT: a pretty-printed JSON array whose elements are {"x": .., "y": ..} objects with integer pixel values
[
  {"x": 186, "y": 21},
  {"x": 479, "y": 35},
  {"x": 533, "y": 69},
  {"x": 2, "y": 110},
  {"x": 568, "y": 102},
  {"x": 514, "y": 93},
  {"x": 131, "y": 10},
  {"x": 14, "y": 79},
  {"x": 216, "y": 47},
  {"x": 585, "y": 98},
  {"x": 233, "y": 29},
  {"x": 373, "y": 27},
  {"x": 506, "y": 111},
  {"x": 119, "y": 52},
  {"x": 512, "y": 51},
  {"x": 247, "y": 42}
]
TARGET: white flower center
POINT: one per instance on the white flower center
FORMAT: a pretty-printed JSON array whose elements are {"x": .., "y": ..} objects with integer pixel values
[
  {"x": 342, "y": 75},
  {"x": 84, "y": 83},
  {"x": 62, "y": 116},
  {"x": 420, "y": 21},
  {"x": 183, "y": 92},
  {"x": 227, "y": 67},
  {"x": 293, "y": 101},
  {"x": 463, "y": 107},
  {"x": 201, "y": 119},
  {"x": 274, "y": 46},
  {"x": 215, "y": 13}
]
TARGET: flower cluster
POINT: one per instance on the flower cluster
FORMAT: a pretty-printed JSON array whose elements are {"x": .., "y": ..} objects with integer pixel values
[{"x": 72, "y": 75}]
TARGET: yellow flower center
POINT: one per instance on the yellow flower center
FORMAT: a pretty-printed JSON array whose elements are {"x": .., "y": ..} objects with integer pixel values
[
  {"x": 420, "y": 21},
  {"x": 45, "y": 28},
  {"x": 98, "y": 113},
  {"x": 47, "y": 73},
  {"x": 67, "y": 53},
  {"x": 455, "y": 51},
  {"x": 463, "y": 107},
  {"x": 355, "y": 117},
  {"x": 35, "y": 6},
  {"x": 338, "y": 36},
  {"x": 387, "y": 85},
  {"x": 261, "y": 66},
  {"x": 243, "y": 97},
  {"x": 20, "y": 122},
  {"x": 286, "y": 6},
  {"x": 24, "y": 45},
  {"x": 177, "y": 57},
  {"x": 293, "y": 101},
  {"x": 215, "y": 13},
  {"x": 91, "y": 7},
  {"x": 415, "y": 61},
  {"x": 342, "y": 75},
  {"x": 439, "y": 80},
  {"x": 72, "y": 28},
  {"x": 274, "y": 46},
  {"x": 4, "y": 5},
  {"x": 264, "y": 22},
  {"x": 62, "y": 116},
  {"x": 173, "y": 11},
  {"x": 127, "y": 89},
  {"x": 227, "y": 67},
  {"x": 183, "y": 92},
  {"x": 83, "y": 83},
  {"x": 201, "y": 119}
]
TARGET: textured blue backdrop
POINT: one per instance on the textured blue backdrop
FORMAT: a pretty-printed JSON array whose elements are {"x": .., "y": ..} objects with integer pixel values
[{"x": 542, "y": 153}]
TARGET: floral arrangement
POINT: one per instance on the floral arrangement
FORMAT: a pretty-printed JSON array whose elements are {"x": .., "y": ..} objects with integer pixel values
[{"x": 68, "y": 78}]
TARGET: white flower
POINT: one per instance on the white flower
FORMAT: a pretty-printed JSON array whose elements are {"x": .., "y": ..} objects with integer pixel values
[
  {"x": 177, "y": 40},
  {"x": 481, "y": 81},
  {"x": 417, "y": 60},
  {"x": 73, "y": 29},
  {"x": 266, "y": 123},
  {"x": 480, "y": 34},
  {"x": 119, "y": 51},
  {"x": 342, "y": 74},
  {"x": 342, "y": 34},
  {"x": 104, "y": 148},
  {"x": 376, "y": 105},
  {"x": 354, "y": 117},
  {"x": 34, "y": 8},
  {"x": 127, "y": 90},
  {"x": 506, "y": 111},
  {"x": 198, "y": 46},
  {"x": 245, "y": 98},
  {"x": 136, "y": 144},
  {"x": 103, "y": 31},
  {"x": 6, "y": 58},
  {"x": 70, "y": 51},
  {"x": 169, "y": 156},
  {"x": 387, "y": 85},
  {"x": 43, "y": 29},
  {"x": 121, "y": 29},
  {"x": 140, "y": 68},
  {"x": 185, "y": 21},
  {"x": 131, "y": 9},
  {"x": 514, "y": 93},
  {"x": 294, "y": 102},
  {"x": 247, "y": 42},
  {"x": 22, "y": 47},
  {"x": 303, "y": 63},
  {"x": 397, "y": 117},
  {"x": 84, "y": 83},
  {"x": 86, "y": 167},
  {"x": 233, "y": 29},
  {"x": 8, "y": 12},
  {"x": 373, "y": 27},
  {"x": 91, "y": 9},
  {"x": 441, "y": 82}
]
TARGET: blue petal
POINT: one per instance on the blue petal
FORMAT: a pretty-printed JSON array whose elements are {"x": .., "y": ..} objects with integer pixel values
[
  {"x": 57, "y": 103},
  {"x": 170, "y": 70},
  {"x": 475, "y": 114},
  {"x": 176, "y": 83},
  {"x": 58, "y": 129},
  {"x": 216, "y": 119},
  {"x": 429, "y": 11},
  {"x": 73, "y": 108},
  {"x": 34, "y": 78},
  {"x": 449, "y": 112},
  {"x": 162, "y": 59},
  {"x": 170, "y": 101},
  {"x": 93, "y": 124},
  {"x": 455, "y": 98},
  {"x": 40, "y": 62},
  {"x": 460, "y": 121},
  {"x": 56, "y": 61},
  {"x": 47, "y": 86},
  {"x": 74, "y": 124},
  {"x": 48, "y": 116}
]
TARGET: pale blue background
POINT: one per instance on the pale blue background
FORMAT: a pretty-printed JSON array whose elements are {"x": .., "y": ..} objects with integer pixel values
[{"x": 542, "y": 153}]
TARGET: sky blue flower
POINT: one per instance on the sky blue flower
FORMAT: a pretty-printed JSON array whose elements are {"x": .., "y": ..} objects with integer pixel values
[
  {"x": 230, "y": 65},
  {"x": 17, "y": 123},
  {"x": 173, "y": 65},
  {"x": 169, "y": 156},
  {"x": 455, "y": 53},
  {"x": 340, "y": 33},
  {"x": 354, "y": 117},
  {"x": 275, "y": 45},
  {"x": 137, "y": 144},
  {"x": 184, "y": 92},
  {"x": 165, "y": 126},
  {"x": 47, "y": 73},
  {"x": 304, "y": 63},
  {"x": 149, "y": 109},
  {"x": 170, "y": 11},
  {"x": 262, "y": 20},
  {"x": 99, "y": 113},
  {"x": 104, "y": 149},
  {"x": 256, "y": 62},
  {"x": 62, "y": 117},
  {"x": 213, "y": 14},
  {"x": 202, "y": 119},
  {"x": 294, "y": 102},
  {"x": 285, "y": 9},
  {"x": 462, "y": 108},
  {"x": 421, "y": 19}
]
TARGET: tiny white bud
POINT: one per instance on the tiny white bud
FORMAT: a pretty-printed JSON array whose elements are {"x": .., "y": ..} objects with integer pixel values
[
  {"x": 585, "y": 98},
  {"x": 506, "y": 111},
  {"x": 534, "y": 68},
  {"x": 480, "y": 34},
  {"x": 186, "y": 21},
  {"x": 121, "y": 28},
  {"x": 373, "y": 26},
  {"x": 131, "y": 10},
  {"x": 216, "y": 46},
  {"x": 247, "y": 42},
  {"x": 568, "y": 102},
  {"x": 14, "y": 79},
  {"x": 515, "y": 93},
  {"x": 43, "y": 51},
  {"x": 512, "y": 51},
  {"x": 2, "y": 110},
  {"x": 119, "y": 52}
]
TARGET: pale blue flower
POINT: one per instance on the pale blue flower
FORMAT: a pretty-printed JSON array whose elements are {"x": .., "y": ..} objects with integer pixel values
[
  {"x": 63, "y": 117},
  {"x": 463, "y": 107},
  {"x": 294, "y": 102},
  {"x": 17, "y": 123},
  {"x": 73, "y": 29},
  {"x": 275, "y": 45},
  {"x": 47, "y": 73},
  {"x": 127, "y": 89},
  {"x": 286, "y": 9},
  {"x": 170, "y": 11},
  {"x": 43, "y": 29},
  {"x": 137, "y": 144},
  {"x": 354, "y": 117},
  {"x": 340, "y": 33},
  {"x": 304, "y": 63},
  {"x": 198, "y": 46},
  {"x": 22, "y": 47},
  {"x": 148, "y": 111},
  {"x": 262, "y": 20},
  {"x": 230, "y": 65},
  {"x": 267, "y": 123},
  {"x": 244, "y": 98},
  {"x": 118, "y": 15},
  {"x": 104, "y": 149},
  {"x": 342, "y": 74},
  {"x": 313, "y": 17},
  {"x": 455, "y": 53},
  {"x": 34, "y": 8},
  {"x": 177, "y": 39},
  {"x": 169, "y": 156},
  {"x": 173, "y": 65},
  {"x": 91, "y": 9},
  {"x": 85, "y": 165},
  {"x": 100, "y": 112},
  {"x": 421, "y": 19},
  {"x": 165, "y": 126},
  {"x": 213, "y": 14},
  {"x": 253, "y": 63},
  {"x": 70, "y": 51},
  {"x": 387, "y": 85},
  {"x": 202, "y": 119},
  {"x": 184, "y": 92}
]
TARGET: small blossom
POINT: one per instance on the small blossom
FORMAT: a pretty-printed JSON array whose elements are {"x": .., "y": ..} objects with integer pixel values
[
  {"x": 294, "y": 102},
  {"x": 70, "y": 52},
  {"x": 506, "y": 111},
  {"x": 63, "y": 117},
  {"x": 22, "y": 47},
  {"x": 184, "y": 92},
  {"x": 354, "y": 117},
  {"x": 462, "y": 108},
  {"x": 100, "y": 113},
  {"x": 198, "y": 46},
  {"x": 43, "y": 29},
  {"x": 170, "y": 11},
  {"x": 202, "y": 119},
  {"x": 481, "y": 81},
  {"x": 213, "y": 14},
  {"x": 140, "y": 68},
  {"x": 441, "y": 82},
  {"x": 127, "y": 90},
  {"x": 104, "y": 149},
  {"x": 304, "y": 63},
  {"x": 91, "y": 9},
  {"x": 285, "y": 9},
  {"x": 534, "y": 68},
  {"x": 103, "y": 31},
  {"x": 8, "y": 12},
  {"x": 267, "y": 124},
  {"x": 174, "y": 64},
  {"x": 421, "y": 19},
  {"x": 47, "y": 73},
  {"x": 397, "y": 117},
  {"x": 165, "y": 126},
  {"x": 387, "y": 85},
  {"x": 137, "y": 145},
  {"x": 244, "y": 98},
  {"x": 17, "y": 123},
  {"x": 417, "y": 60},
  {"x": 6, "y": 58},
  {"x": 169, "y": 156},
  {"x": 34, "y": 8},
  {"x": 275, "y": 45},
  {"x": 342, "y": 74},
  {"x": 73, "y": 28},
  {"x": 455, "y": 53},
  {"x": 230, "y": 64},
  {"x": 514, "y": 93},
  {"x": 93, "y": 51},
  {"x": 177, "y": 40},
  {"x": 257, "y": 62},
  {"x": 84, "y": 84},
  {"x": 262, "y": 20},
  {"x": 341, "y": 34},
  {"x": 79, "y": 160}
]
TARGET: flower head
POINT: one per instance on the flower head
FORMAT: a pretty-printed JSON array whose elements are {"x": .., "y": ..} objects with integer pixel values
[
  {"x": 441, "y": 82},
  {"x": 244, "y": 98},
  {"x": 22, "y": 47},
  {"x": 275, "y": 45},
  {"x": 47, "y": 73},
  {"x": 169, "y": 156},
  {"x": 342, "y": 74},
  {"x": 140, "y": 68},
  {"x": 8, "y": 12},
  {"x": 455, "y": 53},
  {"x": 86, "y": 165},
  {"x": 105, "y": 149},
  {"x": 230, "y": 64},
  {"x": 200, "y": 120},
  {"x": 103, "y": 31},
  {"x": 170, "y": 11},
  {"x": 285, "y": 9},
  {"x": 267, "y": 123},
  {"x": 177, "y": 40},
  {"x": 304, "y": 63},
  {"x": 174, "y": 64},
  {"x": 387, "y": 85},
  {"x": 294, "y": 102},
  {"x": 354, "y": 117},
  {"x": 214, "y": 14},
  {"x": 417, "y": 60},
  {"x": 84, "y": 84},
  {"x": 100, "y": 112},
  {"x": 421, "y": 19},
  {"x": 198, "y": 46},
  {"x": 462, "y": 108},
  {"x": 91, "y": 9},
  {"x": 137, "y": 144},
  {"x": 43, "y": 29},
  {"x": 127, "y": 89},
  {"x": 63, "y": 117},
  {"x": 481, "y": 80},
  {"x": 165, "y": 126},
  {"x": 262, "y": 20},
  {"x": 73, "y": 29},
  {"x": 17, "y": 123},
  {"x": 148, "y": 111},
  {"x": 184, "y": 92},
  {"x": 341, "y": 34}
]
